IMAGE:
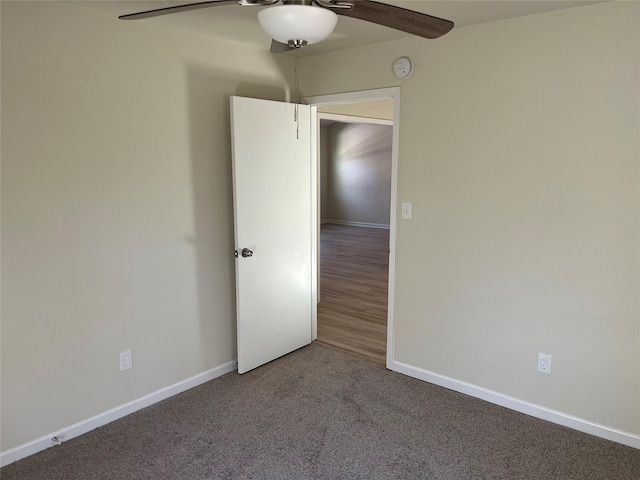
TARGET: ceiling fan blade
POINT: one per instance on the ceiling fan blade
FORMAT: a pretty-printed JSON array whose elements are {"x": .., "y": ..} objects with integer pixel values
[
  {"x": 399, "y": 18},
  {"x": 278, "y": 47},
  {"x": 174, "y": 9}
]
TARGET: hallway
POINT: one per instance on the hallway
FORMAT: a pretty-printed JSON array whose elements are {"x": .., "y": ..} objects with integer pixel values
[{"x": 354, "y": 269}]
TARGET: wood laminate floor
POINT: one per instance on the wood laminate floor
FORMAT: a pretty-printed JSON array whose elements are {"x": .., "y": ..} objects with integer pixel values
[{"x": 354, "y": 270}]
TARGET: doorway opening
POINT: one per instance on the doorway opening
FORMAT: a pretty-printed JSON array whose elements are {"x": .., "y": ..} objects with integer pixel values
[
  {"x": 356, "y": 143},
  {"x": 355, "y": 207}
]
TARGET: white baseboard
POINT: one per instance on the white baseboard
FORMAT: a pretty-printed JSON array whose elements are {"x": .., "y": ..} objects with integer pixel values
[
  {"x": 357, "y": 224},
  {"x": 67, "y": 433},
  {"x": 576, "y": 423},
  {"x": 80, "y": 428}
]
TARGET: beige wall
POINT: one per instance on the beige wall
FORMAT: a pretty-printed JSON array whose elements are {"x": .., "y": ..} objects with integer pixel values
[
  {"x": 116, "y": 208},
  {"x": 519, "y": 150},
  {"x": 359, "y": 173}
]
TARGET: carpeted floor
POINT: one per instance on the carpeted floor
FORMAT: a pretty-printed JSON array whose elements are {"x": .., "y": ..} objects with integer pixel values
[{"x": 319, "y": 413}]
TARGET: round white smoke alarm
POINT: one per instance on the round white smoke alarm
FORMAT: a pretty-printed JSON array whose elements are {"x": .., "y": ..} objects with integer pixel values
[{"x": 403, "y": 68}]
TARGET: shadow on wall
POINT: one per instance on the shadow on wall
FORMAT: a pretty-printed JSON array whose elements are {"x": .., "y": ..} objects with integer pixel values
[
  {"x": 211, "y": 171},
  {"x": 357, "y": 183}
]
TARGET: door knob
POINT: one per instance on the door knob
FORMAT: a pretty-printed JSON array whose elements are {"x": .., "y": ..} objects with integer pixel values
[{"x": 247, "y": 253}]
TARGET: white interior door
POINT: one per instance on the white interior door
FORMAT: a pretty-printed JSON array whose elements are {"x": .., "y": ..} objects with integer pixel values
[{"x": 273, "y": 226}]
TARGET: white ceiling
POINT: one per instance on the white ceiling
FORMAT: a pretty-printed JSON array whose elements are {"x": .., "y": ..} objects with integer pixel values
[{"x": 240, "y": 24}]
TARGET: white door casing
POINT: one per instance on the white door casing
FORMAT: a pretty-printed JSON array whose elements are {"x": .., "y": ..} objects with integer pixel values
[
  {"x": 392, "y": 93},
  {"x": 272, "y": 197}
]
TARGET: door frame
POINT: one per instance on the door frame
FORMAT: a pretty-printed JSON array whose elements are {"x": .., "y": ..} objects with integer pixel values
[{"x": 391, "y": 93}]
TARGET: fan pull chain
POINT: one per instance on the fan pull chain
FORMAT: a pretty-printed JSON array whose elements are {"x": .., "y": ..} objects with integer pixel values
[{"x": 295, "y": 114}]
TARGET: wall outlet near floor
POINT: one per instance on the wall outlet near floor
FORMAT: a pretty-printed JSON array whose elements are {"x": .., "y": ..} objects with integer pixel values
[
  {"x": 126, "y": 360},
  {"x": 544, "y": 363}
]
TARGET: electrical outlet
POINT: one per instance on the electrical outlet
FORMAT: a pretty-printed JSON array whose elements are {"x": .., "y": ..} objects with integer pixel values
[
  {"x": 544, "y": 363},
  {"x": 126, "y": 360}
]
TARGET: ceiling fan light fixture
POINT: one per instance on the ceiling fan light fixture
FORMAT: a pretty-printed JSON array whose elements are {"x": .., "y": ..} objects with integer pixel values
[{"x": 297, "y": 23}]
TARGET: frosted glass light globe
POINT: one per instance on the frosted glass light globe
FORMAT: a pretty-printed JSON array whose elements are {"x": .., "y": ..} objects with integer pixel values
[{"x": 297, "y": 22}]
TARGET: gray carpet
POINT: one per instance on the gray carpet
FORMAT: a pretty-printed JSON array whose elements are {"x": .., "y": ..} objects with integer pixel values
[{"x": 322, "y": 414}]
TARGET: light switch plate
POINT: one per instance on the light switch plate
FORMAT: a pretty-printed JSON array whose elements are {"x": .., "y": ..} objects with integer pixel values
[{"x": 407, "y": 210}]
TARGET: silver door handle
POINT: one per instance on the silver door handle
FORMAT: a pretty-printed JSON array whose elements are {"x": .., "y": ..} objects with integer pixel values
[{"x": 247, "y": 253}]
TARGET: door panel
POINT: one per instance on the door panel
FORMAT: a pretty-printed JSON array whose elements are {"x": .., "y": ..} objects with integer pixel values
[{"x": 272, "y": 209}]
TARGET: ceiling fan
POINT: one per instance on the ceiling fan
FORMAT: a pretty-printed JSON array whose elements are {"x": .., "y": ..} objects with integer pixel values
[{"x": 297, "y": 23}]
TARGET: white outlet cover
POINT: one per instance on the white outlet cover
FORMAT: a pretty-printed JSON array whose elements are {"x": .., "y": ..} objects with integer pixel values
[
  {"x": 126, "y": 360},
  {"x": 544, "y": 363}
]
